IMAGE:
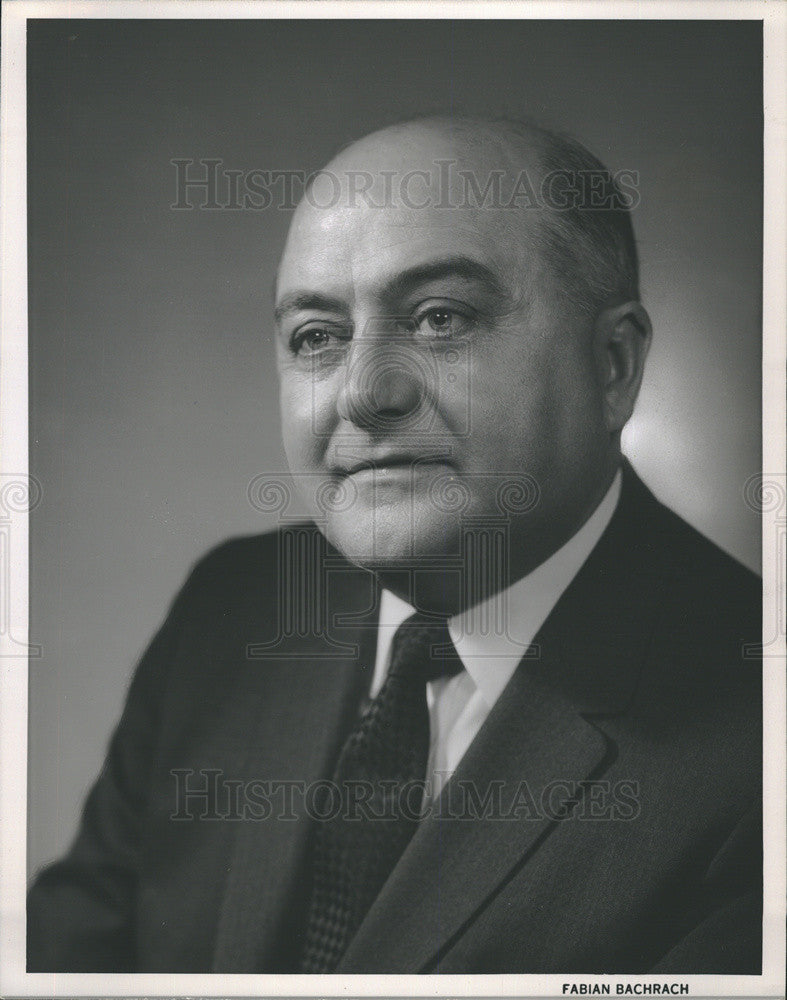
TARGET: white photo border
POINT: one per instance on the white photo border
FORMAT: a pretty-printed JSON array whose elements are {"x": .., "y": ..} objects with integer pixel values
[{"x": 14, "y": 980}]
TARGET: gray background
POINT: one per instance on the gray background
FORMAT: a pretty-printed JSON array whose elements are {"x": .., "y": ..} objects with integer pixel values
[{"x": 152, "y": 382}]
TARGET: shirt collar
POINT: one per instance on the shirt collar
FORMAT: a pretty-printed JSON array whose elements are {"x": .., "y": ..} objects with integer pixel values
[{"x": 492, "y": 637}]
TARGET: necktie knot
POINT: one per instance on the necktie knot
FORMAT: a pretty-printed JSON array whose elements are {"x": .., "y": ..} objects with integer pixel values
[{"x": 422, "y": 647}]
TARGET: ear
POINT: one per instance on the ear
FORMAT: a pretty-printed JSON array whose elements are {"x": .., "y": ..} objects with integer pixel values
[{"x": 621, "y": 338}]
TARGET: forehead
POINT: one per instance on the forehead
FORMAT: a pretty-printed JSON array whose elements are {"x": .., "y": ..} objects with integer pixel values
[{"x": 355, "y": 253}]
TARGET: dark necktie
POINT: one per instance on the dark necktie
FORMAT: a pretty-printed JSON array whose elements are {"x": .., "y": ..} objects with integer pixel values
[{"x": 379, "y": 782}]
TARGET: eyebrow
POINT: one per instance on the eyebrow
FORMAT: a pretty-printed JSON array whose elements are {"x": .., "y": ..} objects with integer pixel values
[
  {"x": 399, "y": 285},
  {"x": 447, "y": 267},
  {"x": 299, "y": 301}
]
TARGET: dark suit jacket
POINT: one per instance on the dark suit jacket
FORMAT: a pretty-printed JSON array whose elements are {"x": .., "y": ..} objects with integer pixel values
[{"x": 639, "y": 714}]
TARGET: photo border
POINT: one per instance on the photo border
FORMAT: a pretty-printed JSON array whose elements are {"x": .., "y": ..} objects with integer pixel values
[{"x": 14, "y": 980}]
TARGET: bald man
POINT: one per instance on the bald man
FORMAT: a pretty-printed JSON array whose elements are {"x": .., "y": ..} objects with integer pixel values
[{"x": 495, "y": 709}]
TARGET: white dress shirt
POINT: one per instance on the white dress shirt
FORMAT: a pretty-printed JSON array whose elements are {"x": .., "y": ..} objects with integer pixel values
[{"x": 491, "y": 640}]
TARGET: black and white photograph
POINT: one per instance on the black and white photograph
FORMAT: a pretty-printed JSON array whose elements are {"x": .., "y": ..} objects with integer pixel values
[{"x": 393, "y": 499}]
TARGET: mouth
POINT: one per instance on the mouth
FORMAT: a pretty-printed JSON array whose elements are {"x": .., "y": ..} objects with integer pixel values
[{"x": 392, "y": 464}]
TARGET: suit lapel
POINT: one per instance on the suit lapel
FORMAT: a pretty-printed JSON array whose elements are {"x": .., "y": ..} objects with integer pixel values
[{"x": 532, "y": 739}]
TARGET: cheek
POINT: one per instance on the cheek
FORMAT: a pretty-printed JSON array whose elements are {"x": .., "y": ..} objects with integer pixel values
[
  {"x": 537, "y": 405},
  {"x": 573, "y": 419},
  {"x": 514, "y": 392},
  {"x": 306, "y": 421}
]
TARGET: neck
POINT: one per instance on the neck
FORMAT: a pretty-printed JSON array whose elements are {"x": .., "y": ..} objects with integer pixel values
[{"x": 491, "y": 558}]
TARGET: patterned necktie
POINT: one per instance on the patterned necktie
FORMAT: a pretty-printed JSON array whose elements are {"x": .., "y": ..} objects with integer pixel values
[{"x": 379, "y": 783}]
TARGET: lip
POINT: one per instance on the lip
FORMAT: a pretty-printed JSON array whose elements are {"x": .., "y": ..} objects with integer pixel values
[{"x": 394, "y": 462}]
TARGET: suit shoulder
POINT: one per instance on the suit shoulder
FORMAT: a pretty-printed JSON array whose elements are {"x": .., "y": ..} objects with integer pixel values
[
  {"x": 706, "y": 607},
  {"x": 238, "y": 552},
  {"x": 242, "y": 565},
  {"x": 701, "y": 670},
  {"x": 703, "y": 576},
  {"x": 709, "y": 621}
]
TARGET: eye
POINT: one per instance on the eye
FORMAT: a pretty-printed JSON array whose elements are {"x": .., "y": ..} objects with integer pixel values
[
  {"x": 316, "y": 340},
  {"x": 442, "y": 322}
]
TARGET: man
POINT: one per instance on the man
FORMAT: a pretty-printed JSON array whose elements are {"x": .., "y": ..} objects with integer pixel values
[{"x": 504, "y": 718}]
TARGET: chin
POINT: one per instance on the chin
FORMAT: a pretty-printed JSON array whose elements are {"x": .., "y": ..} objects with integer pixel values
[{"x": 393, "y": 537}]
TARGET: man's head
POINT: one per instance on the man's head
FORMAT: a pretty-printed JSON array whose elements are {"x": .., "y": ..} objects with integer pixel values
[{"x": 457, "y": 309}]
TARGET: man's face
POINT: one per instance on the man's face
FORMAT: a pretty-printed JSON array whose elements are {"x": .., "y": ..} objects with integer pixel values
[{"x": 425, "y": 363}]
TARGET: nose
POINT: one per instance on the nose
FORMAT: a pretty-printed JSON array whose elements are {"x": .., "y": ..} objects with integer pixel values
[{"x": 386, "y": 383}]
